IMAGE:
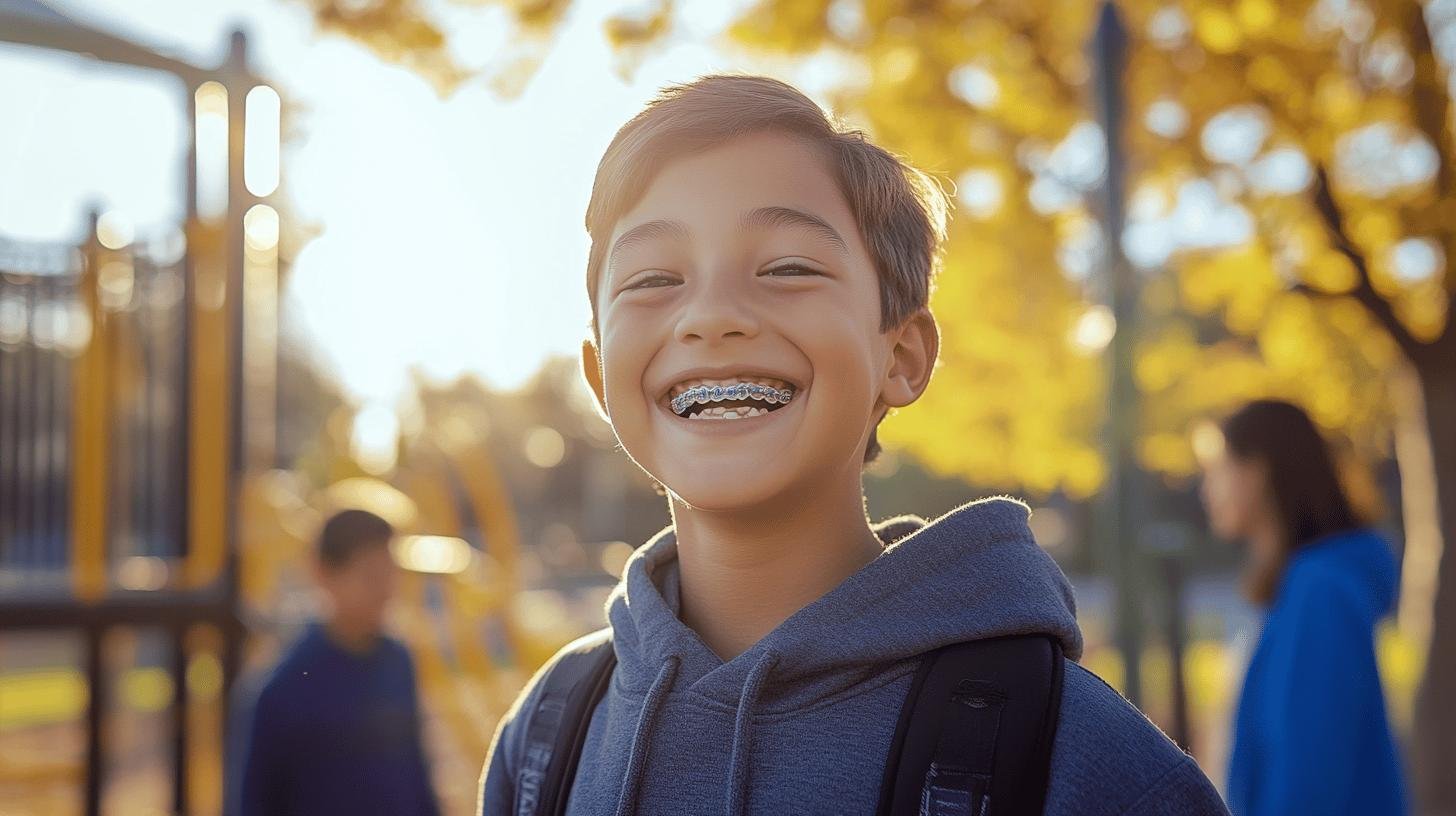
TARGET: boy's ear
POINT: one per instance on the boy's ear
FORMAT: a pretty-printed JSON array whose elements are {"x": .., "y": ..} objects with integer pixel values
[
  {"x": 917, "y": 346},
  {"x": 591, "y": 371},
  {"x": 320, "y": 573}
]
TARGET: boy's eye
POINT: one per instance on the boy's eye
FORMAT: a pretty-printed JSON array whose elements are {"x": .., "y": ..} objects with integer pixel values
[
  {"x": 791, "y": 270},
  {"x": 652, "y": 281}
]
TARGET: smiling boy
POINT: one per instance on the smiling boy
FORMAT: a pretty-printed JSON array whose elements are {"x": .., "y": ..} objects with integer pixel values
[{"x": 759, "y": 281}]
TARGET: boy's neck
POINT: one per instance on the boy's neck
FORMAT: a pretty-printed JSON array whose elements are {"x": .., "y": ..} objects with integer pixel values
[
  {"x": 359, "y": 640},
  {"x": 744, "y": 574}
]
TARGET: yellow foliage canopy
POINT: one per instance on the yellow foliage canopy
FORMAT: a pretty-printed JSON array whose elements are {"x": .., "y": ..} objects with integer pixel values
[{"x": 1291, "y": 205}]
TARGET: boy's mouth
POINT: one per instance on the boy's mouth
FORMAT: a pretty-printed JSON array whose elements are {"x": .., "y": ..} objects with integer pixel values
[{"x": 739, "y": 397}]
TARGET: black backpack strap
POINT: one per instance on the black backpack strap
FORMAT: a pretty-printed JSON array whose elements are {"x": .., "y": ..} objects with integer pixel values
[
  {"x": 556, "y": 730},
  {"x": 976, "y": 730}
]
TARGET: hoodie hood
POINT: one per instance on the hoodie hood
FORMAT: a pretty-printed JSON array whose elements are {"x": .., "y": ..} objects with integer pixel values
[
  {"x": 974, "y": 573},
  {"x": 1316, "y": 663},
  {"x": 1361, "y": 560}
]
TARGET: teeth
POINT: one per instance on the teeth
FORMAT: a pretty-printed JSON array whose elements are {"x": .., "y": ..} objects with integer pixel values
[{"x": 719, "y": 412}]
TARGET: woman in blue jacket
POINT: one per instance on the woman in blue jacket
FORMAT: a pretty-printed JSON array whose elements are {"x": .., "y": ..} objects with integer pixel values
[{"x": 1310, "y": 734}]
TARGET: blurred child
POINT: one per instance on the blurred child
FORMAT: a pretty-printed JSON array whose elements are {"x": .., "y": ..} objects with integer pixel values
[
  {"x": 335, "y": 728},
  {"x": 1310, "y": 734},
  {"x": 759, "y": 280}
]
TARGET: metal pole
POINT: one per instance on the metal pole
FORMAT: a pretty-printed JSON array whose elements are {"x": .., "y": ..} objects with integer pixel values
[
  {"x": 95, "y": 716},
  {"x": 44, "y": 422},
  {"x": 179, "y": 719},
  {"x": 182, "y": 398},
  {"x": 10, "y": 474},
  {"x": 1173, "y": 582},
  {"x": 1117, "y": 532},
  {"x": 29, "y": 415},
  {"x": 239, "y": 81}
]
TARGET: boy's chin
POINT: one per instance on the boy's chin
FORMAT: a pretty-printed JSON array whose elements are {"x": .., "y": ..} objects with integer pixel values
[{"x": 703, "y": 492}]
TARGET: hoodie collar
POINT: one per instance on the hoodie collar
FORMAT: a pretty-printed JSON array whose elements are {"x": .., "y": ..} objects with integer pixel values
[{"x": 975, "y": 572}]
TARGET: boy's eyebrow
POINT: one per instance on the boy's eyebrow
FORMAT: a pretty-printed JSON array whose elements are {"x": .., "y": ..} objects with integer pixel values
[
  {"x": 761, "y": 218},
  {"x": 767, "y": 217},
  {"x": 646, "y": 231}
]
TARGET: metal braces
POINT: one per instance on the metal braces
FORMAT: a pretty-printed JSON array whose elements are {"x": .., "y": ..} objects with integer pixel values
[{"x": 717, "y": 393}]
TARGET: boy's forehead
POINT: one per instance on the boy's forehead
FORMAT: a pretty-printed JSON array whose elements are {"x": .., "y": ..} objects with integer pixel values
[{"x": 723, "y": 185}]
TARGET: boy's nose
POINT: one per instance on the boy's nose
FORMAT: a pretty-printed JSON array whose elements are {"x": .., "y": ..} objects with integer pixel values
[{"x": 715, "y": 314}]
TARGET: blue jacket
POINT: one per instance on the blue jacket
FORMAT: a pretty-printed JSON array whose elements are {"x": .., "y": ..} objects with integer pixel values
[
  {"x": 1310, "y": 735},
  {"x": 802, "y": 721},
  {"x": 332, "y": 732}
]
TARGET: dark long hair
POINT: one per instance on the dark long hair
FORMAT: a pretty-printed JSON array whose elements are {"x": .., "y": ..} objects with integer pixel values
[{"x": 1304, "y": 483}]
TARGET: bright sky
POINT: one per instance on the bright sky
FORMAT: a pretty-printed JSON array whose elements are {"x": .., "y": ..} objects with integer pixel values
[{"x": 452, "y": 235}]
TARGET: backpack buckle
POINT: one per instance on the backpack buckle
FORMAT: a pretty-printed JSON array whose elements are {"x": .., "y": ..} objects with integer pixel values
[{"x": 954, "y": 791}]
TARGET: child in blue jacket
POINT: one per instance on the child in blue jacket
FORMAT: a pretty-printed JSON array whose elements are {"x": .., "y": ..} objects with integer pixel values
[
  {"x": 1310, "y": 734},
  {"x": 335, "y": 727},
  {"x": 759, "y": 280}
]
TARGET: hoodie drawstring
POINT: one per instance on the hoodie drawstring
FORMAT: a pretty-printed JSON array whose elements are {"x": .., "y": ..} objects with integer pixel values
[
  {"x": 742, "y": 738},
  {"x": 637, "y": 757}
]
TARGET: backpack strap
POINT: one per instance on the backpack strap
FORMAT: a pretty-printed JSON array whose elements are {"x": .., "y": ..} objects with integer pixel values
[
  {"x": 570, "y": 689},
  {"x": 976, "y": 730}
]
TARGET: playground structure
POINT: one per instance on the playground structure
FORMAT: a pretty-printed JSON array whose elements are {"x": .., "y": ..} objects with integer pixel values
[{"x": 139, "y": 487}]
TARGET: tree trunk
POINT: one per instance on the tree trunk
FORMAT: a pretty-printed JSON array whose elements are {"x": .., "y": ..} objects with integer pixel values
[{"x": 1434, "y": 755}]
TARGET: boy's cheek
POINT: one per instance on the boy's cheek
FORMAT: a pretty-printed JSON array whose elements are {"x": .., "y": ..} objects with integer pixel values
[{"x": 625, "y": 414}]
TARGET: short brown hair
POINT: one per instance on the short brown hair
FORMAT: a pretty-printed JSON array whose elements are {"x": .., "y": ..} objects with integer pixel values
[
  {"x": 348, "y": 533},
  {"x": 900, "y": 211}
]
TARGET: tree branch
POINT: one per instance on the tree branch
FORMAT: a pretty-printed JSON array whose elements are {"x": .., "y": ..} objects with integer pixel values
[
  {"x": 1067, "y": 95},
  {"x": 1431, "y": 104},
  {"x": 1364, "y": 291}
]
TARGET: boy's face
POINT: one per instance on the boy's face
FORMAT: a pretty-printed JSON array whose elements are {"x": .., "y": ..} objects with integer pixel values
[
  {"x": 744, "y": 263},
  {"x": 361, "y": 588}
]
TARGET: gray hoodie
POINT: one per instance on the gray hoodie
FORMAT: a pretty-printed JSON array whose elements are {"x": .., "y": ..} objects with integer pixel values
[{"x": 802, "y": 721}]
